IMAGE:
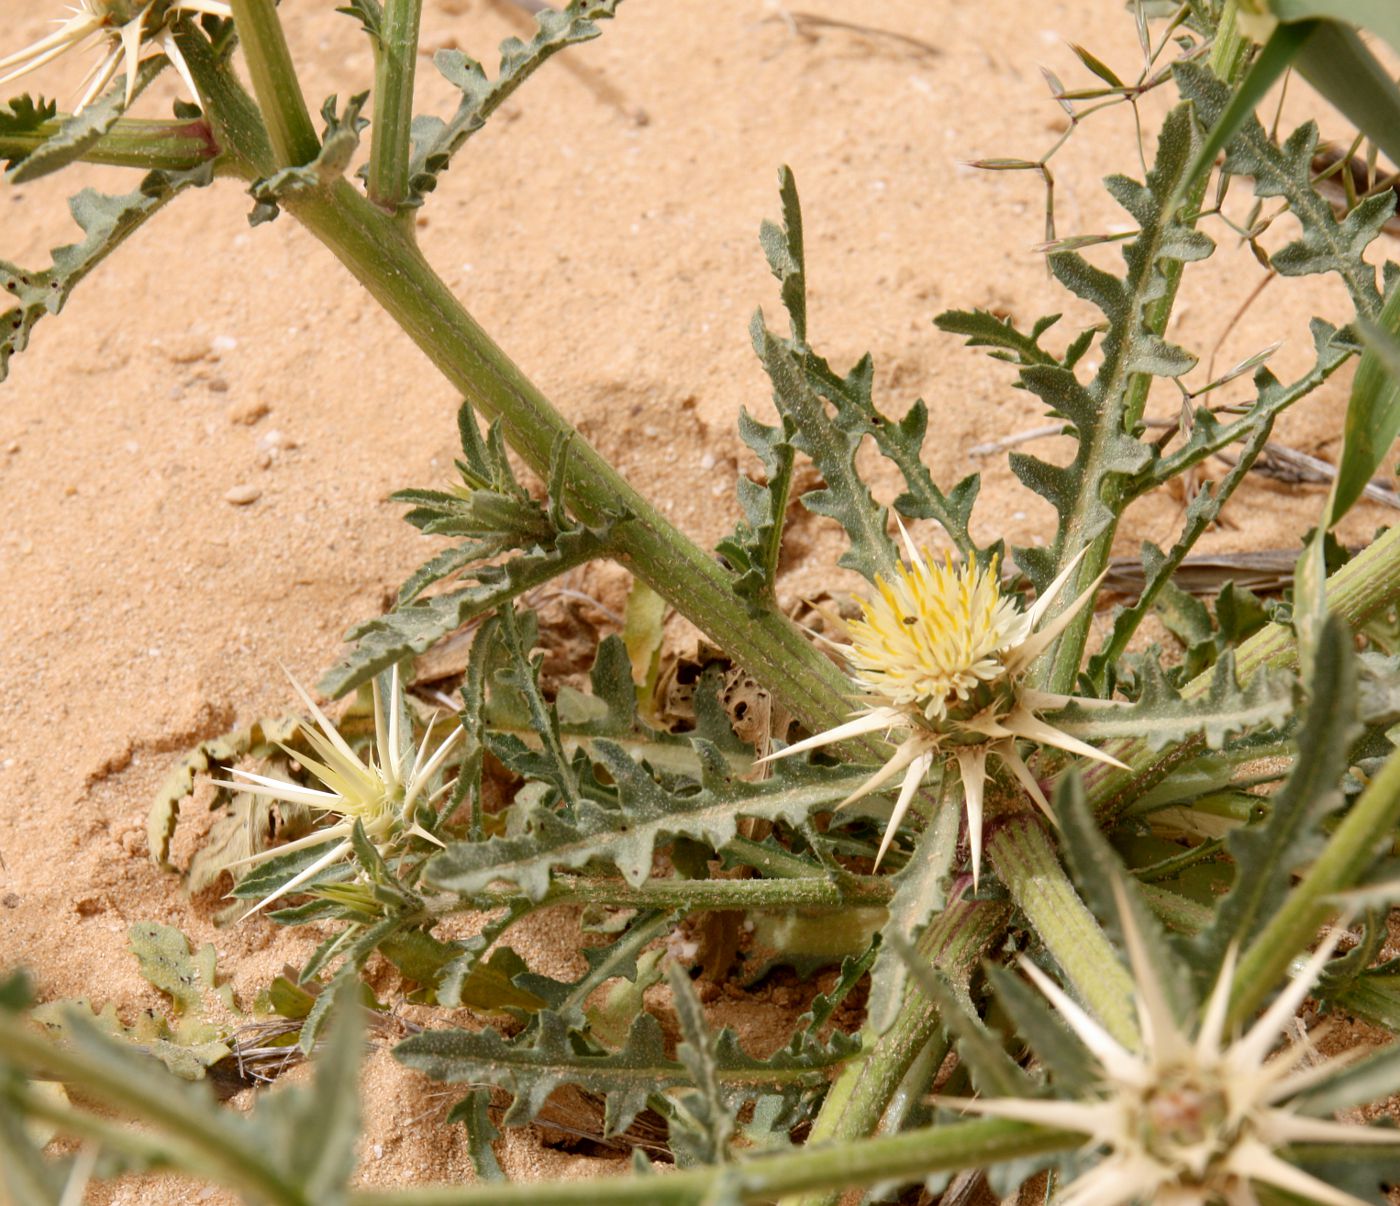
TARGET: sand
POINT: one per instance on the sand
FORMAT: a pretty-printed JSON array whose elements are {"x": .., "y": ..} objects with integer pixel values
[{"x": 603, "y": 228}]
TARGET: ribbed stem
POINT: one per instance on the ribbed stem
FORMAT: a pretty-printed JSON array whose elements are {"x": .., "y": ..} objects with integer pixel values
[
  {"x": 954, "y": 942},
  {"x": 911, "y": 1156},
  {"x": 694, "y": 895},
  {"x": 275, "y": 82},
  {"x": 391, "y": 143},
  {"x": 170, "y": 146},
  {"x": 1364, "y": 833},
  {"x": 1020, "y": 849},
  {"x": 389, "y": 265}
]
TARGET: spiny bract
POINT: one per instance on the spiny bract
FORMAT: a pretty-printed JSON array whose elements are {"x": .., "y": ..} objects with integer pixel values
[
  {"x": 1189, "y": 1122},
  {"x": 381, "y": 794},
  {"x": 123, "y": 28},
  {"x": 942, "y": 653}
]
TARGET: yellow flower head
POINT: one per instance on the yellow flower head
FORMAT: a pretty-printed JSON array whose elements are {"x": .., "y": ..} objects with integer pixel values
[
  {"x": 942, "y": 654},
  {"x": 934, "y": 635},
  {"x": 123, "y": 29},
  {"x": 381, "y": 793}
]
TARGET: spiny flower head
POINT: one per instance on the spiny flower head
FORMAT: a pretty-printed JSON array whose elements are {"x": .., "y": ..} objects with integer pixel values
[
  {"x": 1193, "y": 1121},
  {"x": 382, "y": 794},
  {"x": 934, "y": 635},
  {"x": 123, "y": 29},
  {"x": 942, "y": 653}
]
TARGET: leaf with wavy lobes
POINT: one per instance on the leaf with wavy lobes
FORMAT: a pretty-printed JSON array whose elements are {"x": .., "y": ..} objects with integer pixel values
[
  {"x": 1161, "y": 716},
  {"x": 1325, "y": 244},
  {"x": 1075, "y": 490},
  {"x": 387, "y": 640},
  {"x": 258, "y": 739},
  {"x": 369, "y": 14},
  {"x": 1131, "y": 347},
  {"x": 1158, "y": 567},
  {"x": 339, "y": 142},
  {"x": 782, "y": 245},
  {"x": 921, "y": 892},
  {"x": 1268, "y": 854},
  {"x": 78, "y": 134},
  {"x": 704, "y": 1121},
  {"x": 26, "y": 114},
  {"x": 550, "y": 1056},
  {"x": 845, "y": 497},
  {"x": 435, "y": 141},
  {"x": 752, "y": 551},
  {"x": 628, "y": 835},
  {"x": 106, "y": 222}
]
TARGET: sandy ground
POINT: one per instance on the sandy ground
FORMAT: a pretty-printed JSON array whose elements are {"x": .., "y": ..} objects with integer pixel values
[{"x": 607, "y": 237}]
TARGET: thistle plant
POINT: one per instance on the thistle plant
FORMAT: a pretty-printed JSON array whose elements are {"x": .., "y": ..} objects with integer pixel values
[
  {"x": 1193, "y": 1120},
  {"x": 381, "y": 794},
  {"x": 1240, "y": 790},
  {"x": 943, "y": 654}
]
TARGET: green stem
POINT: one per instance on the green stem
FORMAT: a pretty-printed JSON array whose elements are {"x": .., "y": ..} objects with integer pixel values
[
  {"x": 212, "y": 1150},
  {"x": 391, "y": 142},
  {"x": 955, "y": 941},
  {"x": 387, "y": 262},
  {"x": 911, "y": 1156},
  {"x": 275, "y": 82},
  {"x": 168, "y": 146},
  {"x": 151, "y": 1151},
  {"x": 1227, "y": 61},
  {"x": 1020, "y": 849},
  {"x": 1361, "y": 590},
  {"x": 693, "y": 895},
  {"x": 238, "y": 126},
  {"x": 1363, "y": 833}
]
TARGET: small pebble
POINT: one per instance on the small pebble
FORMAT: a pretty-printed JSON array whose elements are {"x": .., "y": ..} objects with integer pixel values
[
  {"x": 187, "y": 349},
  {"x": 241, "y": 496},
  {"x": 247, "y": 413},
  {"x": 224, "y": 343}
]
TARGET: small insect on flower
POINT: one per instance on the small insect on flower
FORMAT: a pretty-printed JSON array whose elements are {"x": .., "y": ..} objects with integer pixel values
[
  {"x": 942, "y": 654},
  {"x": 1190, "y": 1122},
  {"x": 123, "y": 29},
  {"x": 382, "y": 794}
]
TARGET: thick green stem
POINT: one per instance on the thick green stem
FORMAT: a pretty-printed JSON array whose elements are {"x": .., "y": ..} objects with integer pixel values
[
  {"x": 1227, "y": 61},
  {"x": 911, "y": 1156},
  {"x": 391, "y": 144},
  {"x": 1362, "y": 589},
  {"x": 169, "y": 146},
  {"x": 955, "y": 942},
  {"x": 694, "y": 895},
  {"x": 211, "y": 1151},
  {"x": 1364, "y": 833},
  {"x": 1020, "y": 849},
  {"x": 388, "y": 264},
  {"x": 275, "y": 82}
]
